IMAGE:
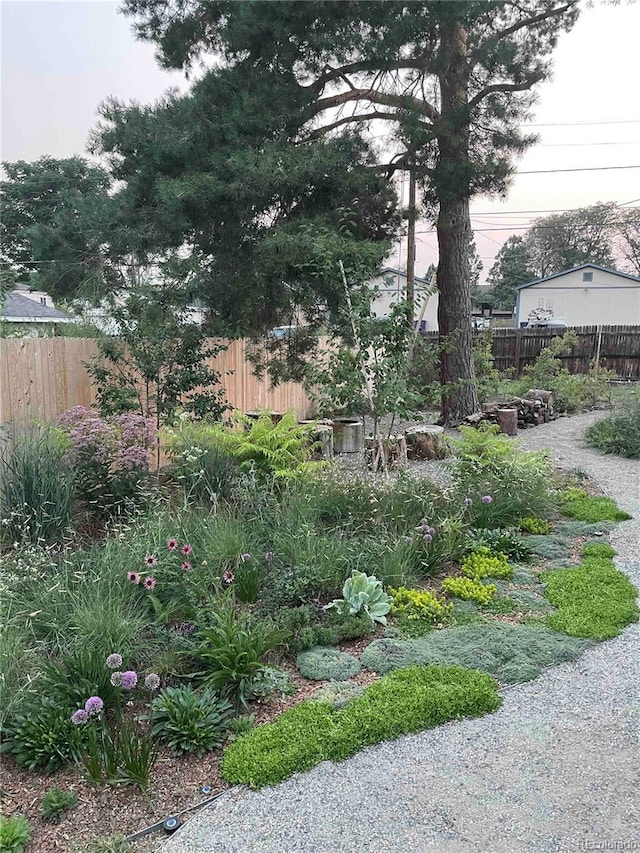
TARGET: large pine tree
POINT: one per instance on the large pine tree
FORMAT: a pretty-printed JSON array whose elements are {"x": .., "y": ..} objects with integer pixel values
[{"x": 451, "y": 80}]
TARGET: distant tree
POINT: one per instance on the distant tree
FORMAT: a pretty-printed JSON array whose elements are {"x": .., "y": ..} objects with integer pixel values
[
  {"x": 512, "y": 268},
  {"x": 55, "y": 218},
  {"x": 452, "y": 81},
  {"x": 566, "y": 240},
  {"x": 628, "y": 241},
  {"x": 475, "y": 268}
]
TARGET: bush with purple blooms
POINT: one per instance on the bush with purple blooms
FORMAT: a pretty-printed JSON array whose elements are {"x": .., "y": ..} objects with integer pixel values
[{"x": 110, "y": 457}]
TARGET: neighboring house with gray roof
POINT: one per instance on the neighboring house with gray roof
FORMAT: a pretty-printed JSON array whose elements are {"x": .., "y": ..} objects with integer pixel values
[{"x": 22, "y": 315}]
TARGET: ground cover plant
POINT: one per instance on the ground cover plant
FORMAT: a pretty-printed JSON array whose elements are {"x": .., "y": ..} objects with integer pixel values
[
  {"x": 618, "y": 433},
  {"x": 578, "y": 504},
  {"x": 173, "y": 635}
]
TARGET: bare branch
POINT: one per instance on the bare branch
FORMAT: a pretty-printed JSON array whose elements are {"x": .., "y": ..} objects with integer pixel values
[
  {"x": 374, "y": 97},
  {"x": 321, "y": 131},
  {"x": 504, "y": 87}
]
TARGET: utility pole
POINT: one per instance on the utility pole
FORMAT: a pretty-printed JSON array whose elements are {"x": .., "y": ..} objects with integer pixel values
[{"x": 411, "y": 241}]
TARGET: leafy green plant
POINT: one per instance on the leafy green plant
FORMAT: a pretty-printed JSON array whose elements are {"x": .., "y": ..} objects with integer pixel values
[
  {"x": 469, "y": 589},
  {"x": 239, "y": 726},
  {"x": 119, "y": 750},
  {"x": 511, "y": 653},
  {"x": 419, "y": 604},
  {"x": 618, "y": 433},
  {"x": 270, "y": 680},
  {"x": 483, "y": 564},
  {"x": 230, "y": 652},
  {"x": 189, "y": 721},
  {"x": 578, "y": 504},
  {"x": 553, "y": 546},
  {"x": 56, "y": 803},
  {"x": 36, "y": 489},
  {"x": 497, "y": 481},
  {"x": 603, "y": 550},
  {"x": 402, "y": 702},
  {"x": 204, "y": 469},
  {"x": 15, "y": 832},
  {"x": 363, "y": 593},
  {"x": 531, "y": 524},
  {"x": 323, "y": 663},
  {"x": 501, "y": 541},
  {"x": 109, "y": 844},
  {"x": 438, "y": 547},
  {"x": 43, "y": 736},
  {"x": 594, "y": 600},
  {"x": 75, "y": 676}
]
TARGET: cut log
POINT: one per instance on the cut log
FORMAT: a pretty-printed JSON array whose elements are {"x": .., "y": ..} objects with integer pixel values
[
  {"x": 508, "y": 421},
  {"x": 539, "y": 394},
  {"x": 426, "y": 441},
  {"x": 385, "y": 453}
]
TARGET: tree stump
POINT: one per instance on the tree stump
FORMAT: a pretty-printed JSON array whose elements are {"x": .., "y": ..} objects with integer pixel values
[
  {"x": 508, "y": 421},
  {"x": 385, "y": 453},
  {"x": 426, "y": 441},
  {"x": 322, "y": 437}
]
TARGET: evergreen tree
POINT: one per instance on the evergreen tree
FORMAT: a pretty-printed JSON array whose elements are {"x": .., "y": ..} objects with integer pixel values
[{"x": 510, "y": 270}]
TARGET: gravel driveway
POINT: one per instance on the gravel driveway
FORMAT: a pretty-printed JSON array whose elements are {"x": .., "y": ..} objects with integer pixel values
[{"x": 557, "y": 768}]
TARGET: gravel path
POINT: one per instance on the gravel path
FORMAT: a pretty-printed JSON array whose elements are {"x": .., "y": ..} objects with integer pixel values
[{"x": 557, "y": 768}]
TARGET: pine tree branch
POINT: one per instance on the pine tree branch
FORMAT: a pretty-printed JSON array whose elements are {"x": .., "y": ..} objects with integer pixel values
[
  {"x": 527, "y": 22},
  {"x": 505, "y": 87},
  {"x": 384, "y": 99}
]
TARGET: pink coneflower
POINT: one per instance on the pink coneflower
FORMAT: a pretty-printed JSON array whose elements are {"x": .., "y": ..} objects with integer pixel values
[
  {"x": 149, "y": 582},
  {"x": 186, "y": 565},
  {"x": 186, "y": 550},
  {"x": 172, "y": 543},
  {"x": 228, "y": 576},
  {"x": 151, "y": 560},
  {"x": 133, "y": 577}
]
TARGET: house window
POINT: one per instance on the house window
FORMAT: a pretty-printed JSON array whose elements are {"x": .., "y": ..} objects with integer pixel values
[{"x": 587, "y": 276}]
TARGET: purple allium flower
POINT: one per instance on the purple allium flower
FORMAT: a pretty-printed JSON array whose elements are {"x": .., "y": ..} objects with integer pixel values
[
  {"x": 133, "y": 577},
  {"x": 114, "y": 661},
  {"x": 428, "y": 538},
  {"x": 149, "y": 582},
  {"x": 268, "y": 557},
  {"x": 93, "y": 705},
  {"x": 487, "y": 499},
  {"x": 79, "y": 717},
  {"x": 151, "y": 560},
  {"x": 116, "y": 678},
  {"x": 152, "y": 681},
  {"x": 186, "y": 566},
  {"x": 172, "y": 543},
  {"x": 468, "y": 501},
  {"x": 245, "y": 557},
  {"x": 406, "y": 539},
  {"x": 128, "y": 680},
  {"x": 228, "y": 576},
  {"x": 186, "y": 550}
]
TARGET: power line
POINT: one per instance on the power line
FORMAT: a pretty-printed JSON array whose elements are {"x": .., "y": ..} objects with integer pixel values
[
  {"x": 582, "y": 169},
  {"x": 579, "y": 123}
]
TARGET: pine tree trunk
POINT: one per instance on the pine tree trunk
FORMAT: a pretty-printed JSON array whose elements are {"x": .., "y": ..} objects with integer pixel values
[{"x": 457, "y": 374}]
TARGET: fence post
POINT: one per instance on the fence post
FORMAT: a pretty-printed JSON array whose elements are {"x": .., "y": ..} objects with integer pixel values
[{"x": 516, "y": 355}]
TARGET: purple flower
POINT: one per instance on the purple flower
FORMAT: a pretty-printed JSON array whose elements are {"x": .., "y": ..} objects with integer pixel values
[
  {"x": 149, "y": 582},
  {"x": 116, "y": 678},
  {"x": 406, "y": 539},
  {"x": 133, "y": 577},
  {"x": 93, "y": 705},
  {"x": 151, "y": 560},
  {"x": 245, "y": 557},
  {"x": 487, "y": 499},
  {"x": 269, "y": 557},
  {"x": 228, "y": 576},
  {"x": 128, "y": 680},
  {"x": 114, "y": 661},
  {"x": 152, "y": 681},
  {"x": 186, "y": 566},
  {"x": 186, "y": 550},
  {"x": 468, "y": 501},
  {"x": 428, "y": 538},
  {"x": 172, "y": 543},
  {"x": 79, "y": 717}
]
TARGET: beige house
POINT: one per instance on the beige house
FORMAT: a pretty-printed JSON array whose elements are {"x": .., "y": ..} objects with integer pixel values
[
  {"x": 391, "y": 285},
  {"x": 588, "y": 295}
]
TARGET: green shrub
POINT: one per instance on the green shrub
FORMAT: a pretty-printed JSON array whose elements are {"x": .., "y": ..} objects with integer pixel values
[
  {"x": 618, "y": 433},
  {"x": 312, "y": 732},
  {"x": 230, "y": 652},
  {"x": 326, "y": 664},
  {"x": 270, "y": 680},
  {"x": 482, "y": 564},
  {"x": 501, "y": 541},
  {"x": 188, "y": 721},
  {"x": 531, "y": 524},
  {"x": 338, "y": 693},
  {"x": 502, "y": 482},
  {"x": 36, "y": 489},
  {"x": 469, "y": 589},
  {"x": 576, "y": 503},
  {"x": 56, "y": 803},
  {"x": 594, "y": 600},
  {"x": 43, "y": 736},
  {"x": 17, "y": 666},
  {"x": 76, "y": 676},
  {"x": 205, "y": 471},
  {"x": 599, "y": 549},
  {"x": 512, "y": 653},
  {"x": 419, "y": 604},
  {"x": 15, "y": 832},
  {"x": 363, "y": 594}
]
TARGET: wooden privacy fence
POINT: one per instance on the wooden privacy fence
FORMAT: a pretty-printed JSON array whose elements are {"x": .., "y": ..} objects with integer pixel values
[
  {"x": 42, "y": 377},
  {"x": 618, "y": 347}
]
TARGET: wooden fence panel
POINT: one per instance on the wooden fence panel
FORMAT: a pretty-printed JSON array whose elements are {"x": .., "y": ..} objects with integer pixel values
[{"x": 42, "y": 377}]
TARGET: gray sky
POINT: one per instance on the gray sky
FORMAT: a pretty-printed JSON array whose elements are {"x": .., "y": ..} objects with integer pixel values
[{"x": 61, "y": 58}]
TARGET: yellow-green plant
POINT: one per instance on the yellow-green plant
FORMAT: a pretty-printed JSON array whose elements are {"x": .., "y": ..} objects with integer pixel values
[
  {"x": 531, "y": 524},
  {"x": 419, "y": 604},
  {"x": 483, "y": 564},
  {"x": 469, "y": 589}
]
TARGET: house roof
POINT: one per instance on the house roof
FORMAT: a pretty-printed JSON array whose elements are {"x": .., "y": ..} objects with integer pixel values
[
  {"x": 403, "y": 273},
  {"x": 20, "y": 309},
  {"x": 580, "y": 267}
]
